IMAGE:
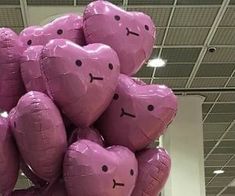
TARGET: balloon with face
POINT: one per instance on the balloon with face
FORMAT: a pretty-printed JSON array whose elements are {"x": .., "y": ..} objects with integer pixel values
[
  {"x": 30, "y": 69},
  {"x": 130, "y": 34},
  {"x": 154, "y": 166},
  {"x": 9, "y": 159},
  {"x": 69, "y": 27},
  {"x": 11, "y": 85},
  {"x": 74, "y": 75},
  {"x": 138, "y": 114},
  {"x": 40, "y": 134},
  {"x": 90, "y": 170}
]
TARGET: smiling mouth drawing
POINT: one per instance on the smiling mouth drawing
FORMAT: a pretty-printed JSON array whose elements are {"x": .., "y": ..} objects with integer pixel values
[
  {"x": 131, "y": 32},
  {"x": 92, "y": 78},
  {"x": 123, "y": 113},
  {"x": 117, "y": 184}
]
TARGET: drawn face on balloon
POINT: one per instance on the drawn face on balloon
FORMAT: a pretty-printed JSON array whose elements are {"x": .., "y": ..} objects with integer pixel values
[
  {"x": 89, "y": 169},
  {"x": 130, "y": 34},
  {"x": 75, "y": 75},
  {"x": 67, "y": 27},
  {"x": 141, "y": 113}
]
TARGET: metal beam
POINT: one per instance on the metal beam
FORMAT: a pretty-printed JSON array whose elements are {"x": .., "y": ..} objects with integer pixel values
[
  {"x": 125, "y": 4},
  {"x": 24, "y": 12},
  {"x": 164, "y": 38},
  {"x": 222, "y": 191},
  {"x": 208, "y": 40},
  {"x": 220, "y": 139}
]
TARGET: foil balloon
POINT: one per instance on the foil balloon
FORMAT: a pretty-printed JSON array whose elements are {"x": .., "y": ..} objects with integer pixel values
[
  {"x": 11, "y": 85},
  {"x": 69, "y": 27},
  {"x": 38, "y": 182},
  {"x": 88, "y": 134},
  {"x": 9, "y": 161},
  {"x": 138, "y": 114},
  {"x": 130, "y": 34},
  {"x": 74, "y": 75},
  {"x": 40, "y": 134},
  {"x": 30, "y": 69},
  {"x": 90, "y": 169},
  {"x": 154, "y": 168}
]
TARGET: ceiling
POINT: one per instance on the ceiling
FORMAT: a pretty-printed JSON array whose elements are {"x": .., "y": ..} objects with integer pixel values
[{"x": 186, "y": 31}]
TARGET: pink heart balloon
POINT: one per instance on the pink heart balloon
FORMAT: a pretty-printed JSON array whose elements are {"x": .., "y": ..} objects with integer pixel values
[
  {"x": 138, "y": 114},
  {"x": 11, "y": 85},
  {"x": 130, "y": 34},
  {"x": 88, "y": 134},
  {"x": 30, "y": 69},
  {"x": 76, "y": 75},
  {"x": 69, "y": 27},
  {"x": 40, "y": 134},
  {"x": 90, "y": 169},
  {"x": 9, "y": 161},
  {"x": 154, "y": 168}
]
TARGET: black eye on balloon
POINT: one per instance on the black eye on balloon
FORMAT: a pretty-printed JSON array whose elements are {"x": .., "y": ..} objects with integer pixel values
[
  {"x": 116, "y": 96},
  {"x": 104, "y": 168},
  {"x": 150, "y": 107},
  {"x": 132, "y": 172},
  {"x": 59, "y": 31},
  {"x": 29, "y": 42},
  {"x": 146, "y": 27},
  {"x": 117, "y": 18},
  {"x": 78, "y": 63},
  {"x": 110, "y": 66}
]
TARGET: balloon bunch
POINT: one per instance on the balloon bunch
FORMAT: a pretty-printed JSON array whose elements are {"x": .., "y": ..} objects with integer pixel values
[{"x": 78, "y": 123}]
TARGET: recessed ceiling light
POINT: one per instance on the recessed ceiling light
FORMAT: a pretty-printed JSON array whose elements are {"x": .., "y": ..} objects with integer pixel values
[
  {"x": 22, "y": 174},
  {"x": 4, "y": 114},
  {"x": 158, "y": 62},
  {"x": 218, "y": 171}
]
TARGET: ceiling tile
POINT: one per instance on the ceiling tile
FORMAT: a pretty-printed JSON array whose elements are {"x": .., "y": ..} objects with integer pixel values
[
  {"x": 221, "y": 55},
  {"x": 223, "y": 108},
  {"x": 232, "y": 2},
  {"x": 209, "y": 97},
  {"x": 199, "y": 2},
  {"x": 215, "y": 127},
  {"x": 231, "y": 82},
  {"x": 150, "y": 2},
  {"x": 145, "y": 72},
  {"x": 220, "y": 118},
  {"x": 227, "y": 97},
  {"x": 215, "y": 70},
  {"x": 186, "y": 36},
  {"x": 206, "y": 107},
  {"x": 10, "y": 2},
  {"x": 220, "y": 182},
  {"x": 208, "y": 82},
  {"x": 171, "y": 82},
  {"x": 11, "y": 17},
  {"x": 174, "y": 70},
  {"x": 229, "y": 190},
  {"x": 229, "y": 18},
  {"x": 213, "y": 190},
  {"x": 224, "y": 36},
  {"x": 160, "y": 35},
  {"x": 160, "y": 16},
  {"x": 174, "y": 55},
  {"x": 50, "y": 2},
  {"x": 155, "y": 53},
  {"x": 194, "y": 17}
]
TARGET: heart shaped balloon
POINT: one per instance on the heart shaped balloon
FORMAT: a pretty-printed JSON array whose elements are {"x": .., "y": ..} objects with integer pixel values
[
  {"x": 11, "y": 85},
  {"x": 130, "y": 34},
  {"x": 88, "y": 134},
  {"x": 40, "y": 134},
  {"x": 138, "y": 114},
  {"x": 90, "y": 169},
  {"x": 81, "y": 80},
  {"x": 30, "y": 69},
  {"x": 153, "y": 170},
  {"x": 9, "y": 160},
  {"x": 69, "y": 27}
]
